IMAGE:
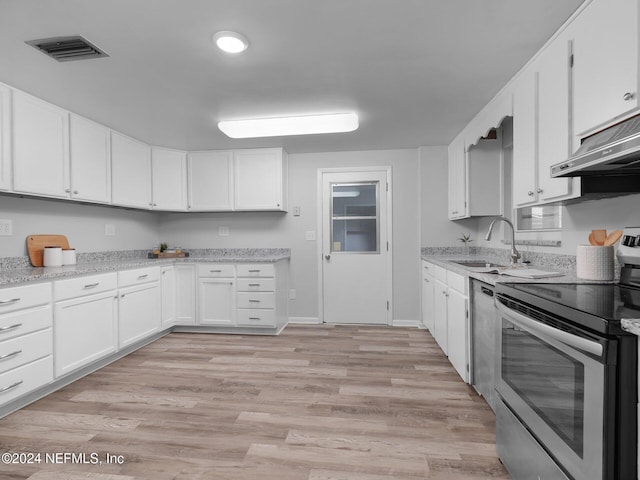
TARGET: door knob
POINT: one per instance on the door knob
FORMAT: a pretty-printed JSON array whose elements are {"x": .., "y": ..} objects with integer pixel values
[{"x": 327, "y": 257}]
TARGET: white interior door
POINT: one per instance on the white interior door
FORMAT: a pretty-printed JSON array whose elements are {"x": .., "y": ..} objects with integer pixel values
[{"x": 356, "y": 265}]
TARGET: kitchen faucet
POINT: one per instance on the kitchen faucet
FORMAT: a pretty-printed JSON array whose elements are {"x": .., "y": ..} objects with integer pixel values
[{"x": 515, "y": 255}]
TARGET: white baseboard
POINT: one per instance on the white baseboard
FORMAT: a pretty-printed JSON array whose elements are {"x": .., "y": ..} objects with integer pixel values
[
  {"x": 305, "y": 320},
  {"x": 408, "y": 323}
]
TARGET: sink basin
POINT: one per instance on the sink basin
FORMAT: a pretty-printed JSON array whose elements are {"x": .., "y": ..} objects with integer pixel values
[{"x": 477, "y": 263}]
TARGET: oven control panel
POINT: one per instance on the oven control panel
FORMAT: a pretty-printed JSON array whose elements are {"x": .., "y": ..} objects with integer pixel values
[{"x": 629, "y": 246}]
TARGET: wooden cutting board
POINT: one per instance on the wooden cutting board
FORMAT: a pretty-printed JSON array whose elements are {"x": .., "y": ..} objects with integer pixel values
[{"x": 36, "y": 244}]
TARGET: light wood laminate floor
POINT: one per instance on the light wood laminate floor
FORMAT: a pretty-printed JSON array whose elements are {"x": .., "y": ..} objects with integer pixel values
[{"x": 315, "y": 403}]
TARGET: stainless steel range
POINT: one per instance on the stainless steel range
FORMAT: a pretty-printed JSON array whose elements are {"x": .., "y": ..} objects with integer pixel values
[{"x": 567, "y": 378}]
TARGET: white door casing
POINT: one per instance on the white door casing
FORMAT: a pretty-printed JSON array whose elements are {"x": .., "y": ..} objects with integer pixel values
[{"x": 355, "y": 270}]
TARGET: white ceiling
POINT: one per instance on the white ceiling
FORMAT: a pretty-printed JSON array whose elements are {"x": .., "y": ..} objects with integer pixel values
[{"x": 416, "y": 71}]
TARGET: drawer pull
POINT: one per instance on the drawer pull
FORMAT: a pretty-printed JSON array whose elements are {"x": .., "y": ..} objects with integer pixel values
[
  {"x": 254, "y": 271},
  {"x": 92, "y": 285},
  {"x": 10, "y": 327},
  {"x": 142, "y": 277},
  {"x": 10, "y": 387},
  {"x": 426, "y": 280},
  {"x": 255, "y": 318},
  {"x": 254, "y": 284},
  {"x": 215, "y": 271},
  {"x": 9, "y": 355},
  {"x": 9, "y": 302},
  {"x": 254, "y": 301}
]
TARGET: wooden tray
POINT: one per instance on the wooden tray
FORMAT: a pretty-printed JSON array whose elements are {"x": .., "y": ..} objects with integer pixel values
[
  {"x": 168, "y": 255},
  {"x": 36, "y": 244}
]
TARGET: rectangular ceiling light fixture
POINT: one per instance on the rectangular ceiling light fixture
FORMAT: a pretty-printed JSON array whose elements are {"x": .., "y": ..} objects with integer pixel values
[{"x": 285, "y": 126}]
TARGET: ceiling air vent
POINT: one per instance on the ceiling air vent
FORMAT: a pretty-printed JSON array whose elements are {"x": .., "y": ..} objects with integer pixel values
[{"x": 67, "y": 49}]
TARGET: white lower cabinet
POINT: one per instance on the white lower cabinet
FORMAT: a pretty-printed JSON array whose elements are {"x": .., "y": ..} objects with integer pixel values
[
  {"x": 217, "y": 301},
  {"x": 169, "y": 292},
  {"x": 26, "y": 346},
  {"x": 85, "y": 330},
  {"x": 256, "y": 297},
  {"x": 450, "y": 316},
  {"x": 428, "y": 316},
  {"x": 139, "y": 312},
  {"x": 185, "y": 279}
]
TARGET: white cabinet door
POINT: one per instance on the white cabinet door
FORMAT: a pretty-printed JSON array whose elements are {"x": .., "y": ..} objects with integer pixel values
[
  {"x": 428, "y": 312},
  {"x": 553, "y": 118},
  {"x": 525, "y": 140},
  {"x": 90, "y": 160},
  {"x": 40, "y": 147},
  {"x": 138, "y": 312},
  {"x": 169, "y": 179},
  {"x": 457, "y": 339},
  {"x": 131, "y": 172},
  {"x": 457, "y": 180},
  {"x": 185, "y": 278},
  {"x": 85, "y": 330},
  {"x": 605, "y": 70},
  {"x": 217, "y": 301},
  {"x": 440, "y": 314},
  {"x": 168, "y": 290},
  {"x": 260, "y": 179},
  {"x": 210, "y": 181},
  {"x": 5, "y": 138}
]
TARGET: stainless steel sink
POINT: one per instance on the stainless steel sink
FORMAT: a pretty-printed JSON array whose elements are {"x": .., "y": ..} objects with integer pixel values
[{"x": 477, "y": 263}]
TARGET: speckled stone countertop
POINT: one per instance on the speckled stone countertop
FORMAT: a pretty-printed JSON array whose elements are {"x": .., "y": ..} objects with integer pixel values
[{"x": 104, "y": 262}]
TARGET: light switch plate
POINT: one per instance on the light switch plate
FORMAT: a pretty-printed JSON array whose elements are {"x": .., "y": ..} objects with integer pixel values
[
  {"x": 6, "y": 228},
  {"x": 296, "y": 211},
  {"x": 310, "y": 235}
]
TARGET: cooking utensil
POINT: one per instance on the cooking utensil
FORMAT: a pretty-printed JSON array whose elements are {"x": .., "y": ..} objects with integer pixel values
[
  {"x": 599, "y": 236},
  {"x": 613, "y": 237},
  {"x": 36, "y": 244},
  {"x": 592, "y": 240}
]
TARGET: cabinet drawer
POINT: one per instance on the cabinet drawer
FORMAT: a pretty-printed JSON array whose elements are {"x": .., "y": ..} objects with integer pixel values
[
  {"x": 22, "y": 380},
  {"x": 256, "y": 318},
  {"x": 256, "y": 300},
  {"x": 78, "y": 287},
  {"x": 17, "y": 298},
  {"x": 25, "y": 321},
  {"x": 216, "y": 270},
  {"x": 256, "y": 270},
  {"x": 256, "y": 285},
  {"x": 138, "y": 276},
  {"x": 440, "y": 273},
  {"x": 457, "y": 282},
  {"x": 24, "y": 349}
]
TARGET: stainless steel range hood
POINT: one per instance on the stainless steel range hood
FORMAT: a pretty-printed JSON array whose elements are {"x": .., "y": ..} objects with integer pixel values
[{"x": 612, "y": 151}]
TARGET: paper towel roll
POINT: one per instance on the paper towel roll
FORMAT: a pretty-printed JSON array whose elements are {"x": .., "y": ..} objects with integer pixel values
[{"x": 595, "y": 262}]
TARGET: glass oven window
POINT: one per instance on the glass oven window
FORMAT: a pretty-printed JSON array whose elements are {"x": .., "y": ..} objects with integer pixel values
[{"x": 548, "y": 380}]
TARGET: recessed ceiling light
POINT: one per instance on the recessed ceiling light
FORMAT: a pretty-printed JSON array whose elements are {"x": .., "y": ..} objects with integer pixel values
[
  {"x": 230, "y": 42},
  {"x": 284, "y": 126}
]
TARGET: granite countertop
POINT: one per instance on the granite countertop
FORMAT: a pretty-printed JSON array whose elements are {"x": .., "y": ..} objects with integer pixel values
[
  {"x": 34, "y": 274},
  {"x": 447, "y": 261}
]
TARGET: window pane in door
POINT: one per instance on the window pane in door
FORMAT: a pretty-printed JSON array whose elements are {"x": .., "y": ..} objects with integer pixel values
[{"x": 354, "y": 218}]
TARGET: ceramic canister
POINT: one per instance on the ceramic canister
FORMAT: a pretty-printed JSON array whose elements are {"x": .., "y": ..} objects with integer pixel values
[
  {"x": 52, "y": 257},
  {"x": 595, "y": 262},
  {"x": 69, "y": 256}
]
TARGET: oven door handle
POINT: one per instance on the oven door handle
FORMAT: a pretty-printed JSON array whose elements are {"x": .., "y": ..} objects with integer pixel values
[{"x": 568, "y": 339}]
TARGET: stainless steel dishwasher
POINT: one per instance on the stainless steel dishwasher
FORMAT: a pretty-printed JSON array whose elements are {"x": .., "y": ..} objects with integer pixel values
[{"x": 483, "y": 340}]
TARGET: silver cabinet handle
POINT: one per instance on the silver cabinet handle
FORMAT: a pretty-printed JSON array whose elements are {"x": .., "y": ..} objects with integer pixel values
[
  {"x": 91, "y": 285},
  {"x": 426, "y": 280},
  {"x": 67, "y": 190},
  {"x": 142, "y": 277},
  {"x": 254, "y": 284},
  {"x": 215, "y": 271},
  {"x": 530, "y": 193},
  {"x": 9, "y": 302},
  {"x": 254, "y": 318},
  {"x": 10, "y": 327},
  {"x": 75, "y": 192},
  {"x": 628, "y": 96},
  {"x": 9, "y": 355},
  {"x": 539, "y": 190},
  {"x": 254, "y": 271},
  {"x": 254, "y": 301},
  {"x": 6, "y": 389}
]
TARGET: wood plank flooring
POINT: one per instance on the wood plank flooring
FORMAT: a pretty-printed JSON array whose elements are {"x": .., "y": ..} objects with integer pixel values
[{"x": 315, "y": 403}]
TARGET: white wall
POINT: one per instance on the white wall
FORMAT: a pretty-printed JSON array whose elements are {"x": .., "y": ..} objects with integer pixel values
[
  {"x": 200, "y": 230},
  {"x": 82, "y": 224}
]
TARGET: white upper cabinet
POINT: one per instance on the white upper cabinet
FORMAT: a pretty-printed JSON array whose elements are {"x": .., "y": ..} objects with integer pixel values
[
  {"x": 525, "y": 140},
  {"x": 457, "y": 180},
  {"x": 169, "y": 180},
  {"x": 261, "y": 179},
  {"x": 210, "y": 181},
  {"x": 605, "y": 69},
  {"x": 5, "y": 138},
  {"x": 90, "y": 157},
  {"x": 40, "y": 147},
  {"x": 131, "y": 172}
]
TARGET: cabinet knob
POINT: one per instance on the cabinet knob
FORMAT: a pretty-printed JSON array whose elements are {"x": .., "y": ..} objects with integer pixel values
[
  {"x": 67, "y": 190},
  {"x": 628, "y": 96},
  {"x": 530, "y": 193},
  {"x": 539, "y": 190},
  {"x": 75, "y": 192}
]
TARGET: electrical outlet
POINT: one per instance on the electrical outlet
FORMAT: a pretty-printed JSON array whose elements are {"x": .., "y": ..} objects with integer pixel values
[
  {"x": 292, "y": 294},
  {"x": 223, "y": 231},
  {"x": 296, "y": 211},
  {"x": 6, "y": 228},
  {"x": 109, "y": 229}
]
